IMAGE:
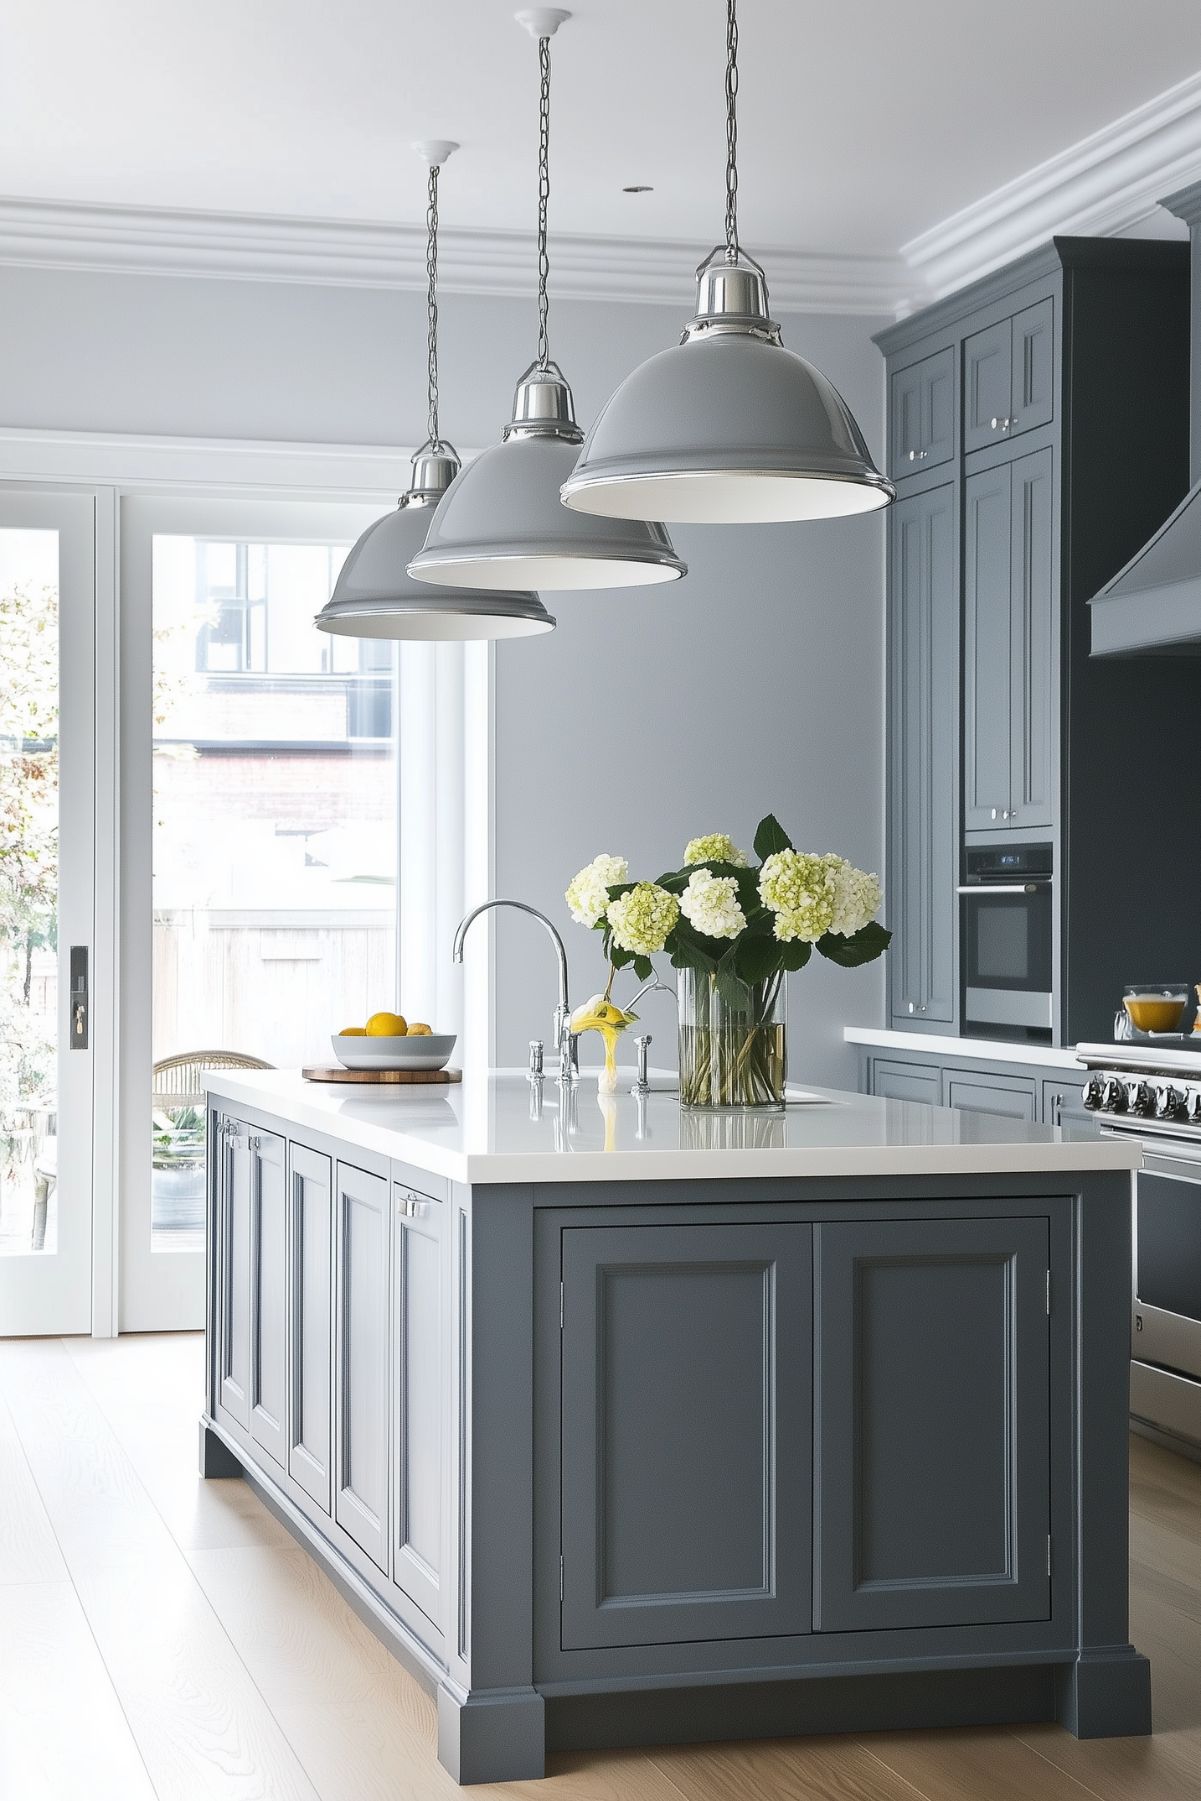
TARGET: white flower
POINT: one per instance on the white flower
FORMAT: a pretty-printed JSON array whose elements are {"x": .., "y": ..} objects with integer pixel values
[
  {"x": 714, "y": 847},
  {"x": 710, "y": 903},
  {"x": 643, "y": 919},
  {"x": 857, "y": 896},
  {"x": 587, "y": 892},
  {"x": 801, "y": 890}
]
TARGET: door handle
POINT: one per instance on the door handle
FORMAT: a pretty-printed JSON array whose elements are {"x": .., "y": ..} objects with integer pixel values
[{"x": 80, "y": 1002}]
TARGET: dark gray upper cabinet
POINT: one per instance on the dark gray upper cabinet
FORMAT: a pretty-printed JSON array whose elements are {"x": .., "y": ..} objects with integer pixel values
[
  {"x": 933, "y": 1419},
  {"x": 923, "y": 746},
  {"x": 268, "y": 1295},
  {"x": 1009, "y": 376},
  {"x": 1008, "y": 646},
  {"x": 362, "y": 1217},
  {"x": 420, "y": 1403},
  {"x": 686, "y": 1431},
  {"x": 922, "y": 415},
  {"x": 311, "y": 1265}
]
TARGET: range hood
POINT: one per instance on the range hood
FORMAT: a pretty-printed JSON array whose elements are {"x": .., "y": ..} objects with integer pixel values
[{"x": 1153, "y": 605}]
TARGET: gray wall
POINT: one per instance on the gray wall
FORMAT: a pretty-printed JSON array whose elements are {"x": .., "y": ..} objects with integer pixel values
[{"x": 755, "y": 684}]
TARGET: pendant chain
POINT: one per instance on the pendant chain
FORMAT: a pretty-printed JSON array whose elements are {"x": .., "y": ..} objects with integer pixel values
[
  {"x": 543, "y": 197},
  {"x": 431, "y": 270},
  {"x": 731, "y": 131}
]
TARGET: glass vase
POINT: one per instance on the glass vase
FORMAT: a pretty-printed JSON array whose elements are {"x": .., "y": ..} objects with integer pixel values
[{"x": 732, "y": 1054}]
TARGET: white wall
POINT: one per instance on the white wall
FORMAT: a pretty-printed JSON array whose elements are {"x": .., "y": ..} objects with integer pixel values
[{"x": 755, "y": 684}]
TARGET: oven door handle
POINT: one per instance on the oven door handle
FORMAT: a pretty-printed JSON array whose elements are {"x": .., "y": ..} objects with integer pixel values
[{"x": 981, "y": 888}]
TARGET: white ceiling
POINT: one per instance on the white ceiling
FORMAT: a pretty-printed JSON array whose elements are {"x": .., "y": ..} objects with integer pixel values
[{"x": 862, "y": 125}]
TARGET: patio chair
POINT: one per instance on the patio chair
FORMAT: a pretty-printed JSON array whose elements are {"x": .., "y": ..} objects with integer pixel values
[{"x": 179, "y": 1081}]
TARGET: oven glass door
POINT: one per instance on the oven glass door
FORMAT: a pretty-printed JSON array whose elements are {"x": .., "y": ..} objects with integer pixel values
[
  {"x": 1169, "y": 1244},
  {"x": 1007, "y": 940}
]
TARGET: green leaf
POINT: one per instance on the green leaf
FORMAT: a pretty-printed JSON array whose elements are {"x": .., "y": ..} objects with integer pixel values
[
  {"x": 619, "y": 888},
  {"x": 795, "y": 954},
  {"x": 729, "y": 984},
  {"x": 688, "y": 949},
  {"x": 644, "y": 969},
  {"x": 756, "y": 957},
  {"x": 861, "y": 947},
  {"x": 620, "y": 959},
  {"x": 770, "y": 837}
]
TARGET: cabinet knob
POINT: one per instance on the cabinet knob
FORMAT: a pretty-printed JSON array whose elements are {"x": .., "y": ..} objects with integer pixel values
[
  {"x": 994, "y": 812},
  {"x": 995, "y": 423},
  {"x": 912, "y": 1009},
  {"x": 913, "y": 456}
]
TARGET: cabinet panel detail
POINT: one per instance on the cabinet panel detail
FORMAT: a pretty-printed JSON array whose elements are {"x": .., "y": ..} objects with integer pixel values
[
  {"x": 933, "y": 1485},
  {"x": 234, "y": 1337},
  {"x": 419, "y": 1402},
  {"x": 987, "y": 703},
  {"x": 1033, "y": 390},
  {"x": 268, "y": 1295},
  {"x": 987, "y": 385},
  {"x": 686, "y": 1359},
  {"x": 1032, "y": 631},
  {"x": 977, "y": 1092},
  {"x": 906, "y": 1081},
  {"x": 361, "y": 1337},
  {"x": 922, "y": 413},
  {"x": 310, "y": 1431}
]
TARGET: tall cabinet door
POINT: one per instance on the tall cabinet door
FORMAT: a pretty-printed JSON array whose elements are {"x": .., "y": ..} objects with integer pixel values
[
  {"x": 362, "y": 1218},
  {"x": 923, "y": 752},
  {"x": 933, "y": 1423},
  {"x": 419, "y": 1401},
  {"x": 1032, "y": 641},
  {"x": 311, "y": 1284},
  {"x": 236, "y": 1180},
  {"x": 686, "y": 1461},
  {"x": 987, "y": 706},
  {"x": 268, "y": 1295},
  {"x": 1033, "y": 394}
]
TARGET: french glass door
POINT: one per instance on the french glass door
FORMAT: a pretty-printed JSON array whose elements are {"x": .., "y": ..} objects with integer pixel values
[
  {"x": 259, "y": 841},
  {"x": 48, "y": 792}
]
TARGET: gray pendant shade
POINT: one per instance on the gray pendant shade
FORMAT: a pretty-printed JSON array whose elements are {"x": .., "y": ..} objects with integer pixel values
[
  {"x": 726, "y": 427},
  {"x": 376, "y": 597},
  {"x": 500, "y": 524}
]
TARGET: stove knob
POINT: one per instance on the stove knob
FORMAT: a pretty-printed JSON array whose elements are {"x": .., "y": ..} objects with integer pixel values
[
  {"x": 1113, "y": 1095},
  {"x": 1194, "y": 1105},
  {"x": 1169, "y": 1101},
  {"x": 1094, "y": 1093},
  {"x": 1140, "y": 1097}
]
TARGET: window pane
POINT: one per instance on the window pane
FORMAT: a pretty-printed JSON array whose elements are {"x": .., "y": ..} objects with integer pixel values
[
  {"x": 274, "y": 831},
  {"x": 29, "y": 687}
]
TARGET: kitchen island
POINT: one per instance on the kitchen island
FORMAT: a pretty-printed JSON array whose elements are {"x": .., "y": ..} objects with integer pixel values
[{"x": 624, "y": 1424}]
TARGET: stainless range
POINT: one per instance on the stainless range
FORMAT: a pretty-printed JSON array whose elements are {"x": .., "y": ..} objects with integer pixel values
[{"x": 1151, "y": 1089}]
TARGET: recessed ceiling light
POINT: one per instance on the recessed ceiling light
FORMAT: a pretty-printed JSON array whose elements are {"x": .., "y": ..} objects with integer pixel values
[{"x": 638, "y": 187}]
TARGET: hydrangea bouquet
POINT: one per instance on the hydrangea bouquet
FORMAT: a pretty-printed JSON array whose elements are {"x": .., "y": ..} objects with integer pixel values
[{"x": 733, "y": 929}]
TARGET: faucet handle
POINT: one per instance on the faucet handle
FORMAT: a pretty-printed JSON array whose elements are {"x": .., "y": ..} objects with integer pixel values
[
  {"x": 642, "y": 1045},
  {"x": 535, "y": 1058}
]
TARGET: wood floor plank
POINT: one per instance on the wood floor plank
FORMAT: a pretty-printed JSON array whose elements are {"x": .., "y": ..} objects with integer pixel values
[
  {"x": 800, "y": 1769},
  {"x": 28, "y": 1548},
  {"x": 204, "y": 1730},
  {"x": 63, "y": 1736},
  {"x": 975, "y": 1762}
]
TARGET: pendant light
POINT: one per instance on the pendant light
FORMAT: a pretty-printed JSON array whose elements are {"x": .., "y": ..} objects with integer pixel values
[
  {"x": 501, "y": 521},
  {"x": 727, "y": 426},
  {"x": 375, "y": 596}
]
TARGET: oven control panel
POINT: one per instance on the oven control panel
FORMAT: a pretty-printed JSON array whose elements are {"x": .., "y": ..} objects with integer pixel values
[{"x": 1173, "y": 1100}]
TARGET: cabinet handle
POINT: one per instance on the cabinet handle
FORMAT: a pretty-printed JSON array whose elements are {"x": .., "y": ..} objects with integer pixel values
[
  {"x": 994, "y": 812},
  {"x": 911, "y": 1006},
  {"x": 913, "y": 456},
  {"x": 997, "y": 424},
  {"x": 411, "y": 1206}
]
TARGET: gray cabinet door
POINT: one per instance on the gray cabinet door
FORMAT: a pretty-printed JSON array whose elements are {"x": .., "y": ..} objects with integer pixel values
[
  {"x": 932, "y": 1432},
  {"x": 987, "y": 385},
  {"x": 1032, "y": 631},
  {"x": 686, "y": 1410},
  {"x": 268, "y": 1295},
  {"x": 987, "y": 1092},
  {"x": 1032, "y": 397},
  {"x": 923, "y": 754},
  {"x": 1063, "y": 1106},
  {"x": 987, "y": 703},
  {"x": 922, "y": 414},
  {"x": 906, "y": 1081},
  {"x": 419, "y": 1401},
  {"x": 362, "y": 1218},
  {"x": 236, "y": 1189},
  {"x": 311, "y": 1337}
]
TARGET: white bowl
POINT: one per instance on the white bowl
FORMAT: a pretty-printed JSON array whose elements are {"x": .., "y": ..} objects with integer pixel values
[{"x": 419, "y": 1052}]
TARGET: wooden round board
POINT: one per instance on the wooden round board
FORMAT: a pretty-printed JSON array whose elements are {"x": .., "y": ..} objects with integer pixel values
[{"x": 389, "y": 1077}]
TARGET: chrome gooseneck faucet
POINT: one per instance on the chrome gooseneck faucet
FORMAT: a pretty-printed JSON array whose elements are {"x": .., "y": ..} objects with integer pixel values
[{"x": 565, "y": 1040}]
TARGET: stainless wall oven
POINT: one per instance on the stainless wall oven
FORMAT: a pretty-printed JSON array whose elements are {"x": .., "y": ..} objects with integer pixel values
[{"x": 1005, "y": 940}]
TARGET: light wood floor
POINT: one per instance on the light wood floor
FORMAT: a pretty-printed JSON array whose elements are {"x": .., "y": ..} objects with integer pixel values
[{"x": 160, "y": 1636}]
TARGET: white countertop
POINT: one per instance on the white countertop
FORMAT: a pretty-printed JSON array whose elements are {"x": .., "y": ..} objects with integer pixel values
[
  {"x": 491, "y": 1128},
  {"x": 973, "y": 1050}
]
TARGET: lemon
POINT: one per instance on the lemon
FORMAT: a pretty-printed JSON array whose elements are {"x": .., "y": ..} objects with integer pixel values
[
  {"x": 418, "y": 1030},
  {"x": 387, "y": 1025},
  {"x": 353, "y": 1032}
]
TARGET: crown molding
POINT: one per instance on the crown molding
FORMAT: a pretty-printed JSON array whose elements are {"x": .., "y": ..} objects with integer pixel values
[
  {"x": 265, "y": 247},
  {"x": 1107, "y": 184}
]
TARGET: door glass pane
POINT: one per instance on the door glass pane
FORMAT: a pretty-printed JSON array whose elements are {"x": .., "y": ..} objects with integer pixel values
[
  {"x": 29, "y": 792},
  {"x": 274, "y": 843}
]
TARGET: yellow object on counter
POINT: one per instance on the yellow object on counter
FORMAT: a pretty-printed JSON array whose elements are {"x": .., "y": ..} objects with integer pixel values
[
  {"x": 387, "y": 1025},
  {"x": 420, "y": 1030},
  {"x": 353, "y": 1032},
  {"x": 600, "y": 1015}
]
